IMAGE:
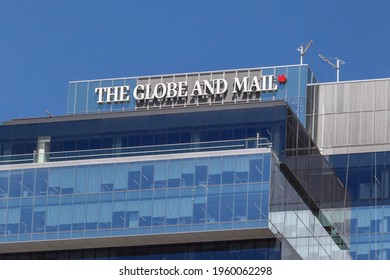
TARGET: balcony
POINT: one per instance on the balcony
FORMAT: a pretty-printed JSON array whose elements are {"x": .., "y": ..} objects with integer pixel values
[{"x": 192, "y": 147}]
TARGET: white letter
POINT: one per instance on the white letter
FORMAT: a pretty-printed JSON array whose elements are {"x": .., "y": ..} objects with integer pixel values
[
  {"x": 267, "y": 83},
  {"x": 147, "y": 92},
  {"x": 218, "y": 83},
  {"x": 182, "y": 90},
  {"x": 160, "y": 90},
  {"x": 171, "y": 90},
  {"x": 123, "y": 95},
  {"x": 112, "y": 94},
  {"x": 197, "y": 88},
  {"x": 139, "y": 93},
  {"x": 99, "y": 91},
  {"x": 240, "y": 87},
  {"x": 255, "y": 84},
  {"x": 208, "y": 87}
]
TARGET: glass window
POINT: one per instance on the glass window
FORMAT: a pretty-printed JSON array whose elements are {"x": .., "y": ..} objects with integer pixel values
[
  {"x": 199, "y": 206},
  {"x": 66, "y": 213},
  {"x": 239, "y": 131},
  {"x": 41, "y": 181},
  {"x": 119, "y": 213},
  {"x": 201, "y": 171},
  {"x": 159, "y": 212},
  {"x": 173, "y": 135},
  {"x": 227, "y": 212},
  {"x": 118, "y": 219},
  {"x": 228, "y": 169},
  {"x": 174, "y": 170},
  {"x": 266, "y": 167},
  {"x": 28, "y": 182},
  {"x": 242, "y": 169},
  {"x": 132, "y": 208},
  {"x": 265, "y": 201},
  {"x": 82, "y": 143},
  {"x": 254, "y": 202},
  {"x": 105, "y": 215},
  {"x": 13, "y": 220},
  {"x": 173, "y": 210},
  {"x": 81, "y": 179},
  {"x": 95, "y": 142},
  {"x": 213, "y": 205},
  {"x": 134, "y": 176},
  {"x": 71, "y": 98},
  {"x": 213, "y": 133},
  {"x": 188, "y": 172},
  {"x": 69, "y": 144},
  {"x": 160, "y": 174},
  {"x": 3, "y": 216},
  {"x": 147, "y": 138},
  {"x": 256, "y": 168},
  {"x": 107, "y": 141},
  {"x": 145, "y": 213},
  {"x": 134, "y": 139},
  {"x": 146, "y": 208},
  {"x": 215, "y": 171},
  {"x": 79, "y": 215},
  {"x": 121, "y": 176},
  {"x": 52, "y": 218},
  {"x": 92, "y": 97},
  {"x": 4, "y": 181},
  {"x": 226, "y": 132},
  {"x": 94, "y": 182},
  {"x": 92, "y": 215},
  {"x": 147, "y": 175},
  {"x": 107, "y": 177},
  {"x": 81, "y": 97},
  {"x": 55, "y": 179},
  {"x": 15, "y": 183},
  {"x": 68, "y": 179},
  {"x": 186, "y": 206},
  {"x": 160, "y": 137},
  {"x": 234, "y": 251},
  {"x": 240, "y": 203}
]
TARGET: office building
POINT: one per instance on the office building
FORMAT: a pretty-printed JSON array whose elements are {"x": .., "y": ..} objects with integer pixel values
[{"x": 235, "y": 164}]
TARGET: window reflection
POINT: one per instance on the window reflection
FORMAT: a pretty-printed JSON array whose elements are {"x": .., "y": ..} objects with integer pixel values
[{"x": 210, "y": 192}]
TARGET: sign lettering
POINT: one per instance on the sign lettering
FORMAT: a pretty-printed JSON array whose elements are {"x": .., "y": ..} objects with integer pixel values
[{"x": 180, "y": 90}]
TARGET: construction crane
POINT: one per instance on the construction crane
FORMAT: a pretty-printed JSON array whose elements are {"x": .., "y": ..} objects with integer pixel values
[
  {"x": 303, "y": 49},
  {"x": 335, "y": 66}
]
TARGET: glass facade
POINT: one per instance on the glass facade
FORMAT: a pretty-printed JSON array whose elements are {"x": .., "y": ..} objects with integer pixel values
[
  {"x": 82, "y": 98},
  {"x": 187, "y": 190},
  {"x": 246, "y": 172},
  {"x": 349, "y": 122},
  {"x": 135, "y": 198},
  {"x": 304, "y": 228},
  {"x": 294, "y": 91},
  {"x": 18, "y": 142},
  {"x": 367, "y": 177}
]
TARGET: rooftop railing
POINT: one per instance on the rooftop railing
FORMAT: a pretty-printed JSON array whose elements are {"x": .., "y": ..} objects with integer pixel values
[{"x": 37, "y": 157}]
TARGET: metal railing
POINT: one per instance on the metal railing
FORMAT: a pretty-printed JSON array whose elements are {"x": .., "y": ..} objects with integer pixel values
[{"x": 136, "y": 151}]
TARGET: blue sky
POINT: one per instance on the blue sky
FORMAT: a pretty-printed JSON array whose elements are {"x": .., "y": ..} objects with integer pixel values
[{"x": 44, "y": 44}]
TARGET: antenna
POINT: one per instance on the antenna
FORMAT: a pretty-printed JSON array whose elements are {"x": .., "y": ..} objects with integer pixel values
[
  {"x": 303, "y": 50},
  {"x": 335, "y": 66},
  {"x": 47, "y": 112}
]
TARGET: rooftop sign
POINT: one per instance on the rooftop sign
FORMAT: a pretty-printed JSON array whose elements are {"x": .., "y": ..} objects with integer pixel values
[
  {"x": 191, "y": 89},
  {"x": 206, "y": 88}
]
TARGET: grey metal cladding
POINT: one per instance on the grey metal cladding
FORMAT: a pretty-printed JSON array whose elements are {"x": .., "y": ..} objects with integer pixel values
[{"x": 349, "y": 117}]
